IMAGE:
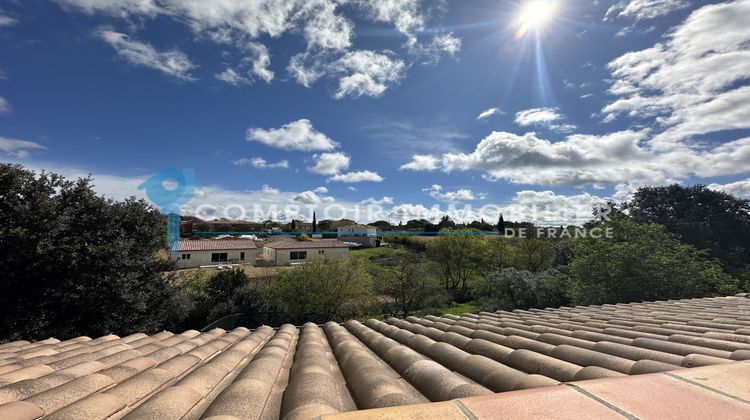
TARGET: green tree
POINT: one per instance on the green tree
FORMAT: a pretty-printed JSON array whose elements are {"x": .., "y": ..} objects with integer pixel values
[
  {"x": 459, "y": 256},
  {"x": 222, "y": 286},
  {"x": 641, "y": 262},
  {"x": 403, "y": 279},
  {"x": 75, "y": 263},
  {"x": 712, "y": 220},
  {"x": 322, "y": 290},
  {"x": 510, "y": 289}
]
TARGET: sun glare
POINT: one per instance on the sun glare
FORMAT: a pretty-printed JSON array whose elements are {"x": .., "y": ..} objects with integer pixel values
[{"x": 534, "y": 14}]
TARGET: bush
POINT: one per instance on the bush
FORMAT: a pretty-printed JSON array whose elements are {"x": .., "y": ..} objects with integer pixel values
[
  {"x": 322, "y": 290},
  {"x": 519, "y": 289}
]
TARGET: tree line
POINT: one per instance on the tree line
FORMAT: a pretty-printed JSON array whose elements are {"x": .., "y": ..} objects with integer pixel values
[{"x": 75, "y": 263}]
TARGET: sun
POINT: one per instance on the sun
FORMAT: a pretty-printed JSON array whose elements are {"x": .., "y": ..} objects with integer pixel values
[{"x": 534, "y": 14}]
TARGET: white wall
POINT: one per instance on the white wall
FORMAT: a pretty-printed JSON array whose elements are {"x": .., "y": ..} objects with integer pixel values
[
  {"x": 199, "y": 258},
  {"x": 283, "y": 256}
]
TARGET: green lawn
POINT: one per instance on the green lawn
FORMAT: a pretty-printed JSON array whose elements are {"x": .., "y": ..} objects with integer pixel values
[{"x": 458, "y": 309}]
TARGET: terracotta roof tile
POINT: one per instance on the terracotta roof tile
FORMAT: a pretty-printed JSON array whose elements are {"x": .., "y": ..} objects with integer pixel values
[
  {"x": 305, "y": 244},
  {"x": 212, "y": 245},
  {"x": 329, "y": 370}
]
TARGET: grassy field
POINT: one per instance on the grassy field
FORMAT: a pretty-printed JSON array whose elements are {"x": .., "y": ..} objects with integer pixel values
[{"x": 458, "y": 309}]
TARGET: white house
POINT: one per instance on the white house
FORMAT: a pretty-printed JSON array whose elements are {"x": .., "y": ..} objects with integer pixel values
[
  {"x": 360, "y": 234},
  {"x": 192, "y": 254},
  {"x": 292, "y": 252}
]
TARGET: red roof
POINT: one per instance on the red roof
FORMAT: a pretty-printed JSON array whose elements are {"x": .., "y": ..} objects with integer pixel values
[
  {"x": 212, "y": 245},
  {"x": 306, "y": 244}
]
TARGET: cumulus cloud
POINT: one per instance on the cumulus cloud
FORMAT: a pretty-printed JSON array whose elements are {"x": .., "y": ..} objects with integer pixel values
[
  {"x": 422, "y": 163},
  {"x": 330, "y": 163},
  {"x": 437, "y": 192},
  {"x": 739, "y": 188},
  {"x": 260, "y": 163},
  {"x": 310, "y": 197},
  {"x": 174, "y": 62},
  {"x": 358, "y": 176},
  {"x": 296, "y": 135},
  {"x": 645, "y": 9},
  {"x": 20, "y": 149},
  {"x": 366, "y": 73},
  {"x": 490, "y": 112},
  {"x": 321, "y": 190},
  {"x": 374, "y": 201}
]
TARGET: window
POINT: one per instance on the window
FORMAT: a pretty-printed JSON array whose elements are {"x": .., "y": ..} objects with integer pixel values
[
  {"x": 185, "y": 256},
  {"x": 219, "y": 257},
  {"x": 321, "y": 251},
  {"x": 298, "y": 255},
  {"x": 242, "y": 256}
]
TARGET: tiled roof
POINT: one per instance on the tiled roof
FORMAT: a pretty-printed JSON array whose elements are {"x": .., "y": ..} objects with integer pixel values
[
  {"x": 320, "y": 370},
  {"x": 306, "y": 244},
  {"x": 212, "y": 245}
]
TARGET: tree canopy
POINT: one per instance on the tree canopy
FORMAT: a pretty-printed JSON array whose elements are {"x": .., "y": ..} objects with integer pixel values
[
  {"x": 712, "y": 220},
  {"x": 641, "y": 262},
  {"x": 75, "y": 263}
]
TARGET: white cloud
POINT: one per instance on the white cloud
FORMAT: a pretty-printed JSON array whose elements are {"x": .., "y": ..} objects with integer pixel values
[
  {"x": 437, "y": 192},
  {"x": 366, "y": 73},
  {"x": 174, "y": 63},
  {"x": 330, "y": 163},
  {"x": 645, "y": 9},
  {"x": 693, "y": 83},
  {"x": 327, "y": 32},
  {"x": 260, "y": 163},
  {"x": 374, "y": 201},
  {"x": 7, "y": 20},
  {"x": 537, "y": 116},
  {"x": 359, "y": 176},
  {"x": 446, "y": 42},
  {"x": 738, "y": 189},
  {"x": 19, "y": 149},
  {"x": 230, "y": 76},
  {"x": 4, "y": 106},
  {"x": 357, "y": 73},
  {"x": 324, "y": 28},
  {"x": 296, "y": 135},
  {"x": 490, "y": 112},
  {"x": 422, "y": 163},
  {"x": 321, "y": 190},
  {"x": 405, "y": 15},
  {"x": 213, "y": 202},
  {"x": 310, "y": 197},
  {"x": 547, "y": 117},
  {"x": 577, "y": 160},
  {"x": 260, "y": 60},
  {"x": 255, "y": 63}
]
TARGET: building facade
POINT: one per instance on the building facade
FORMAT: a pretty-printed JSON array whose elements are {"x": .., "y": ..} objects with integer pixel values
[
  {"x": 360, "y": 234},
  {"x": 297, "y": 252},
  {"x": 202, "y": 253}
]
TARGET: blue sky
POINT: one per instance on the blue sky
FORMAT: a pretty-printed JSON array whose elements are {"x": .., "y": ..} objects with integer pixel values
[{"x": 341, "y": 101}]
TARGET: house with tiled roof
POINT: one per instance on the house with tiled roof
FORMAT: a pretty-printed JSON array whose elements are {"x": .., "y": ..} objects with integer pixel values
[
  {"x": 681, "y": 359},
  {"x": 207, "y": 252},
  {"x": 291, "y": 252}
]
